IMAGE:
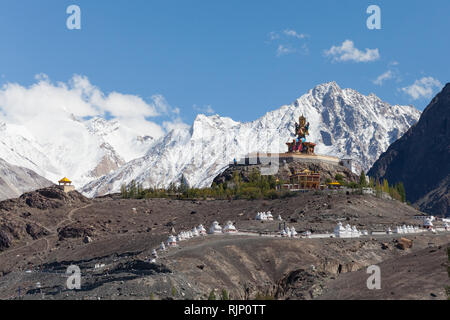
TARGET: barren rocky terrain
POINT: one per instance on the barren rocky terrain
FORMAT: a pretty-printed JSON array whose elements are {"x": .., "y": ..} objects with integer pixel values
[{"x": 43, "y": 232}]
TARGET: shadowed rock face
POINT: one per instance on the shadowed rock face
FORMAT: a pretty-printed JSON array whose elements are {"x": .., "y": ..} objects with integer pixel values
[
  {"x": 43, "y": 199},
  {"x": 421, "y": 158},
  {"x": 22, "y": 219}
]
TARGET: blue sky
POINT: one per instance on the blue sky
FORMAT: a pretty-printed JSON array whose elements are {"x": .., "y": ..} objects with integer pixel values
[{"x": 235, "y": 58}]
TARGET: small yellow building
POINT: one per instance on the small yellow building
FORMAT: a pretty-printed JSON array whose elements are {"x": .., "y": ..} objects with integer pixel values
[
  {"x": 334, "y": 185},
  {"x": 66, "y": 185}
]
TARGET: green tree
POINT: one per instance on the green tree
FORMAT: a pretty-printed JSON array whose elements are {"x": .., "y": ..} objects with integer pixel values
[
  {"x": 401, "y": 191},
  {"x": 385, "y": 187},
  {"x": 140, "y": 191},
  {"x": 124, "y": 191},
  {"x": 251, "y": 193},
  {"x": 372, "y": 182},
  {"x": 255, "y": 176},
  {"x": 212, "y": 295},
  {"x": 225, "y": 295},
  {"x": 184, "y": 185},
  {"x": 362, "y": 179},
  {"x": 237, "y": 179},
  {"x": 132, "y": 189},
  {"x": 378, "y": 189},
  {"x": 339, "y": 178},
  {"x": 172, "y": 188}
]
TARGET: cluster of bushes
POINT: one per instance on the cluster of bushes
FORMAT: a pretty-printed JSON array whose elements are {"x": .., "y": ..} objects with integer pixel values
[
  {"x": 396, "y": 191},
  {"x": 223, "y": 296},
  {"x": 258, "y": 187}
]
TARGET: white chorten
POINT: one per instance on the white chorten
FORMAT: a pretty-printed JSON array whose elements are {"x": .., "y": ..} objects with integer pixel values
[
  {"x": 195, "y": 232},
  {"x": 405, "y": 229},
  {"x": 229, "y": 228},
  {"x": 201, "y": 230},
  {"x": 340, "y": 231},
  {"x": 172, "y": 241},
  {"x": 428, "y": 224},
  {"x": 288, "y": 232},
  {"x": 355, "y": 232},
  {"x": 269, "y": 216},
  {"x": 162, "y": 246},
  {"x": 280, "y": 218},
  {"x": 293, "y": 232},
  {"x": 154, "y": 253},
  {"x": 348, "y": 230},
  {"x": 215, "y": 228}
]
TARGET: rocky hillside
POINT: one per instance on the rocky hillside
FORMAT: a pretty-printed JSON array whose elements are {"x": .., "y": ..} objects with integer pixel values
[
  {"x": 343, "y": 123},
  {"x": 111, "y": 240},
  {"x": 328, "y": 171},
  {"x": 421, "y": 158},
  {"x": 33, "y": 215},
  {"x": 15, "y": 180}
]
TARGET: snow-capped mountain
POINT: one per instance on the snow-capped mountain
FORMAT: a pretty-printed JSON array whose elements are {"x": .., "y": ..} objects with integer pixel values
[
  {"x": 343, "y": 123},
  {"x": 16, "y": 180},
  {"x": 80, "y": 149}
]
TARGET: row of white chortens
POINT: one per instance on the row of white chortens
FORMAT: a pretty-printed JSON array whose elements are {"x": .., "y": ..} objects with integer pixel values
[
  {"x": 266, "y": 216},
  {"x": 339, "y": 232},
  {"x": 348, "y": 232},
  {"x": 292, "y": 233},
  {"x": 198, "y": 231}
]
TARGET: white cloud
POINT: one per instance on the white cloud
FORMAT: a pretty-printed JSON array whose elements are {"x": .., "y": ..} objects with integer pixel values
[
  {"x": 422, "y": 88},
  {"x": 348, "y": 52},
  {"x": 206, "y": 109},
  {"x": 43, "y": 104},
  {"x": 293, "y": 33},
  {"x": 283, "y": 50},
  {"x": 383, "y": 77},
  {"x": 287, "y": 42},
  {"x": 273, "y": 36}
]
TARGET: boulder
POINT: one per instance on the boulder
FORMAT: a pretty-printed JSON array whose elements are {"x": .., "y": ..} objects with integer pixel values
[
  {"x": 404, "y": 244},
  {"x": 5, "y": 240}
]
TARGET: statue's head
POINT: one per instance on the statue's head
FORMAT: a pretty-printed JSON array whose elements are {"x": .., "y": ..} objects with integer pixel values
[{"x": 302, "y": 121}]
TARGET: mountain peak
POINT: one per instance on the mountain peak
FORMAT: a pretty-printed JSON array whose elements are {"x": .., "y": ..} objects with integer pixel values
[
  {"x": 327, "y": 86},
  {"x": 446, "y": 88}
]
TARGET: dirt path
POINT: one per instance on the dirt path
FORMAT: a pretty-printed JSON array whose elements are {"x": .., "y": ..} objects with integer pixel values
[
  {"x": 69, "y": 216},
  {"x": 52, "y": 233}
]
